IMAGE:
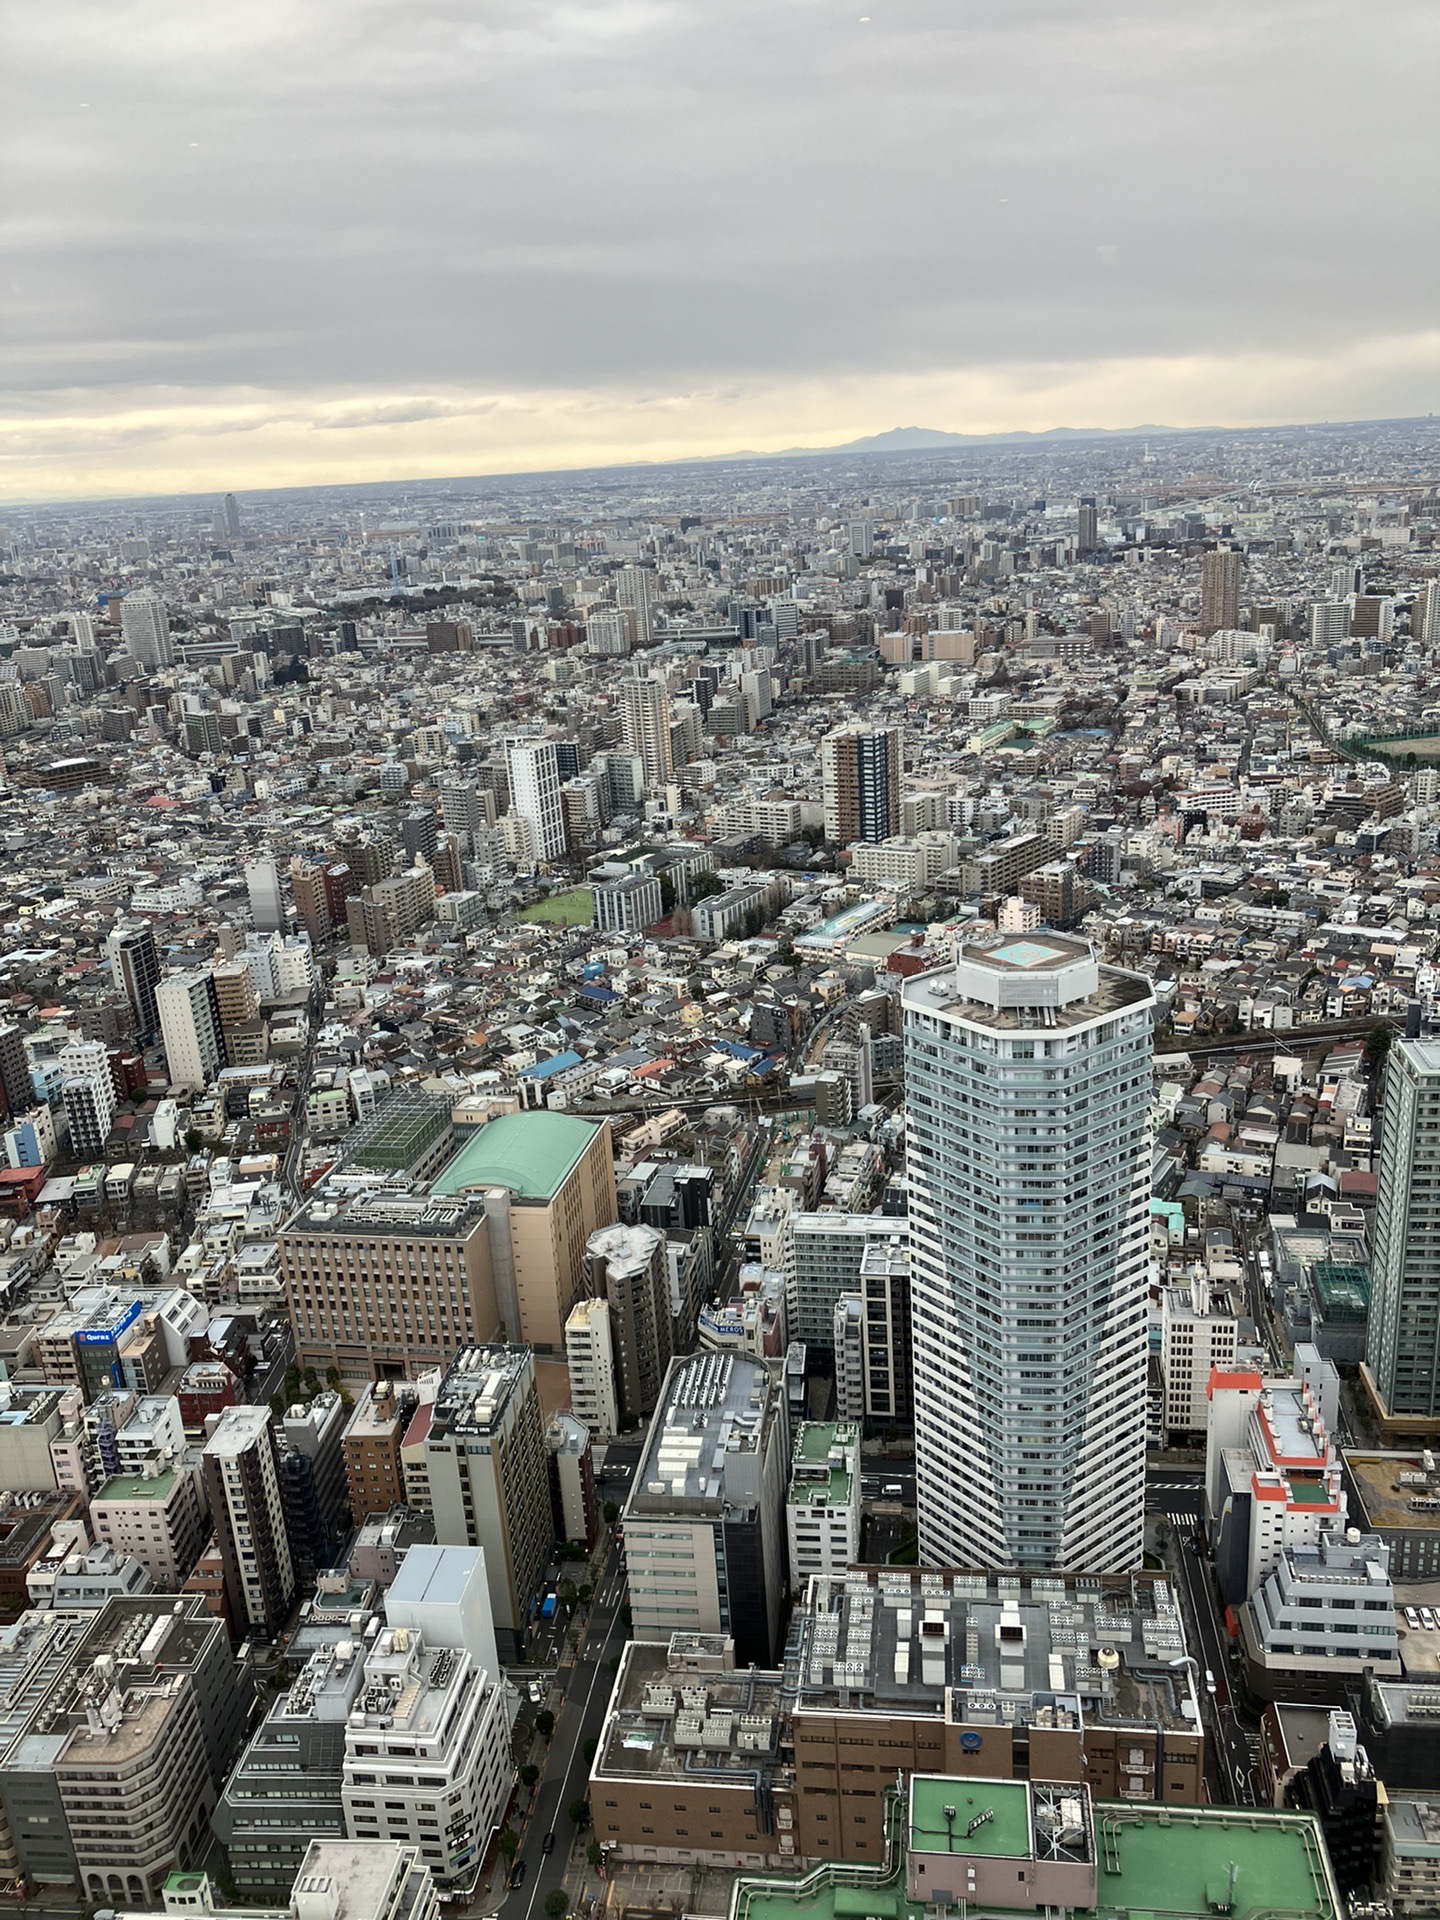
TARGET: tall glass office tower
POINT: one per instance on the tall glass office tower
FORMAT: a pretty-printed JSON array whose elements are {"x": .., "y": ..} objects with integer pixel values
[{"x": 1028, "y": 1078}]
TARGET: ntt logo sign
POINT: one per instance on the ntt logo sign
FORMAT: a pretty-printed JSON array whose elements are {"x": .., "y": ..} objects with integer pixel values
[{"x": 971, "y": 1742}]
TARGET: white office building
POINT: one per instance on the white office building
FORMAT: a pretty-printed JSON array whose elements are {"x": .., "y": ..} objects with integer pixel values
[
  {"x": 533, "y": 767},
  {"x": 427, "y": 1745},
  {"x": 1273, "y": 1475},
  {"x": 1199, "y": 1328},
  {"x": 1028, "y": 1069}
]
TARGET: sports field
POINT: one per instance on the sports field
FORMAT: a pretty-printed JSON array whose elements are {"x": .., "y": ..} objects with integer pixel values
[{"x": 573, "y": 909}]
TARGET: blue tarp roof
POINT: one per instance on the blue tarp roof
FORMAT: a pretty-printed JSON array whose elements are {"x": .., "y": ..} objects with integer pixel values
[
  {"x": 735, "y": 1050},
  {"x": 557, "y": 1063}
]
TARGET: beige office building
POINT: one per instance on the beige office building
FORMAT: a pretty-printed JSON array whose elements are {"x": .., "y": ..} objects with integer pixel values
[
  {"x": 383, "y": 1285},
  {"x": 547, "y": 1182}
]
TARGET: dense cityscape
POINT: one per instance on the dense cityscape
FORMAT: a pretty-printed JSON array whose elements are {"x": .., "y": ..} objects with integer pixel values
[{"x": 721, "y": 1188}]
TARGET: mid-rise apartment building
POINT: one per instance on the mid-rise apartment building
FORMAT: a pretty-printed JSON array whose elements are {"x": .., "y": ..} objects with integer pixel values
[
  {"x": 241, "y": 1464},
  {"x": 488, "y": 1484},
  {"x": 156, "y": 1517},
  {"x": 191, "y": 1029},
  {"x": 590, "y": 1362},
  {"x": 822, "y": 1502},
  {"x": 629, "y": 1268}
]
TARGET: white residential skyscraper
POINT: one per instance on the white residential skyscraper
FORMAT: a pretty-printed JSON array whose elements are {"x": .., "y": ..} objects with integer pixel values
[
  {"x": 190, "y": 1027},
  {"x": 267, "y": 903},
  {"x": 1402, "y": 1339},
  {"x": 146, "y": 628},
  {"x": 89, "y": 1095},
  {"x": 533, "y": 767},
  {"x": 635, "y": 588},
  {"x": 1028, "y": 1074},
  {"x": 645, "y": 712}
]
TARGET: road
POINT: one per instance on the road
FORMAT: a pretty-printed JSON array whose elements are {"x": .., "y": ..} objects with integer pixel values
[
  {"x": 1230, "y": 1744},
  {"x": 587, "y": 1694},
  {"x": 1178, "y": 1494}
]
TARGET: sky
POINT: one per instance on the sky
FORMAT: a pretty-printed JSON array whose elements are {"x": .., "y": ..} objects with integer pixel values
[{"x": 283, "y": 242}]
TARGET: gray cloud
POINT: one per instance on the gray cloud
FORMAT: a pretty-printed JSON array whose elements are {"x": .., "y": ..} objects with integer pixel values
[{"x": 342, "y": 197}]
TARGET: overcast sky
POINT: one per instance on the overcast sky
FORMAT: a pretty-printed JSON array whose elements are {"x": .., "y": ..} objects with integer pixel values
[{"x": 275, "y": 242}]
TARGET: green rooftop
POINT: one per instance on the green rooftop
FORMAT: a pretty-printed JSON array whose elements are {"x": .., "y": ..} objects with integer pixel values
[
  {"x": 136, "y": 1486},
  {"x": 530, "y": 1153},
  {"x": 1152, "y": 1863},
  {"x": 812, "y": 1452},
  {"x": 1308, "y": 1493},
  {"x": 991, "y": 1817},
  {"x": 1165, "y": 1860}
]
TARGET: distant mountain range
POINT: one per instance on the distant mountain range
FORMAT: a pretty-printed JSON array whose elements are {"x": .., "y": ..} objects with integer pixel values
[{"x": 926, "y": 439}]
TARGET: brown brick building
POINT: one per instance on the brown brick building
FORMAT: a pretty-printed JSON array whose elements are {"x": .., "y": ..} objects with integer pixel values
[{"x": 887, "y": 1673}]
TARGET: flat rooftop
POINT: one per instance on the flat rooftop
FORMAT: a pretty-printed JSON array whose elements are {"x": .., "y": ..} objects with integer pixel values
[
  {"x": 819, "y": 1475},
  {"x": 993, "y": 1649},
  {"x": 1151, "y": 1861},
  {"x": 477, "y": 1389},
  {"x": 711, "y": 1417},
  {"x": 989, "y": 1819},
  {"x": 137, "y": 1486},
  {"x": 530, "y": 1153},
  {"x": 662, "y": 1712},
  {"x": 1037, "y": 983},
  {"x": 386, "y": 1216},
  {"x": 1390, "y": 1485}
]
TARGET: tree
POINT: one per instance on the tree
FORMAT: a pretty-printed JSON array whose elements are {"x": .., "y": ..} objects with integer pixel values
[
  {"x": 585, "y": 1593},
  {"x": 529, "y": 1774},
  {"x": 565, "y": 1593},
  {"x": 595, "y": 1854},
  {"x": 611, "y": 1513},
  {"x": 509, "y": 1842},
  {"x": 545, "y": 1723},
  {"x": 704, "y": 885},
  {"x": 557, "y": 1903},
  {"x": 579, "y": 1811},
  {"x": 1377, "y": 1045}
]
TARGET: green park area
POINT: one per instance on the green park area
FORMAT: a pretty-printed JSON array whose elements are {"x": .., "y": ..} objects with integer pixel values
[{"x": 573, "y": 909}]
